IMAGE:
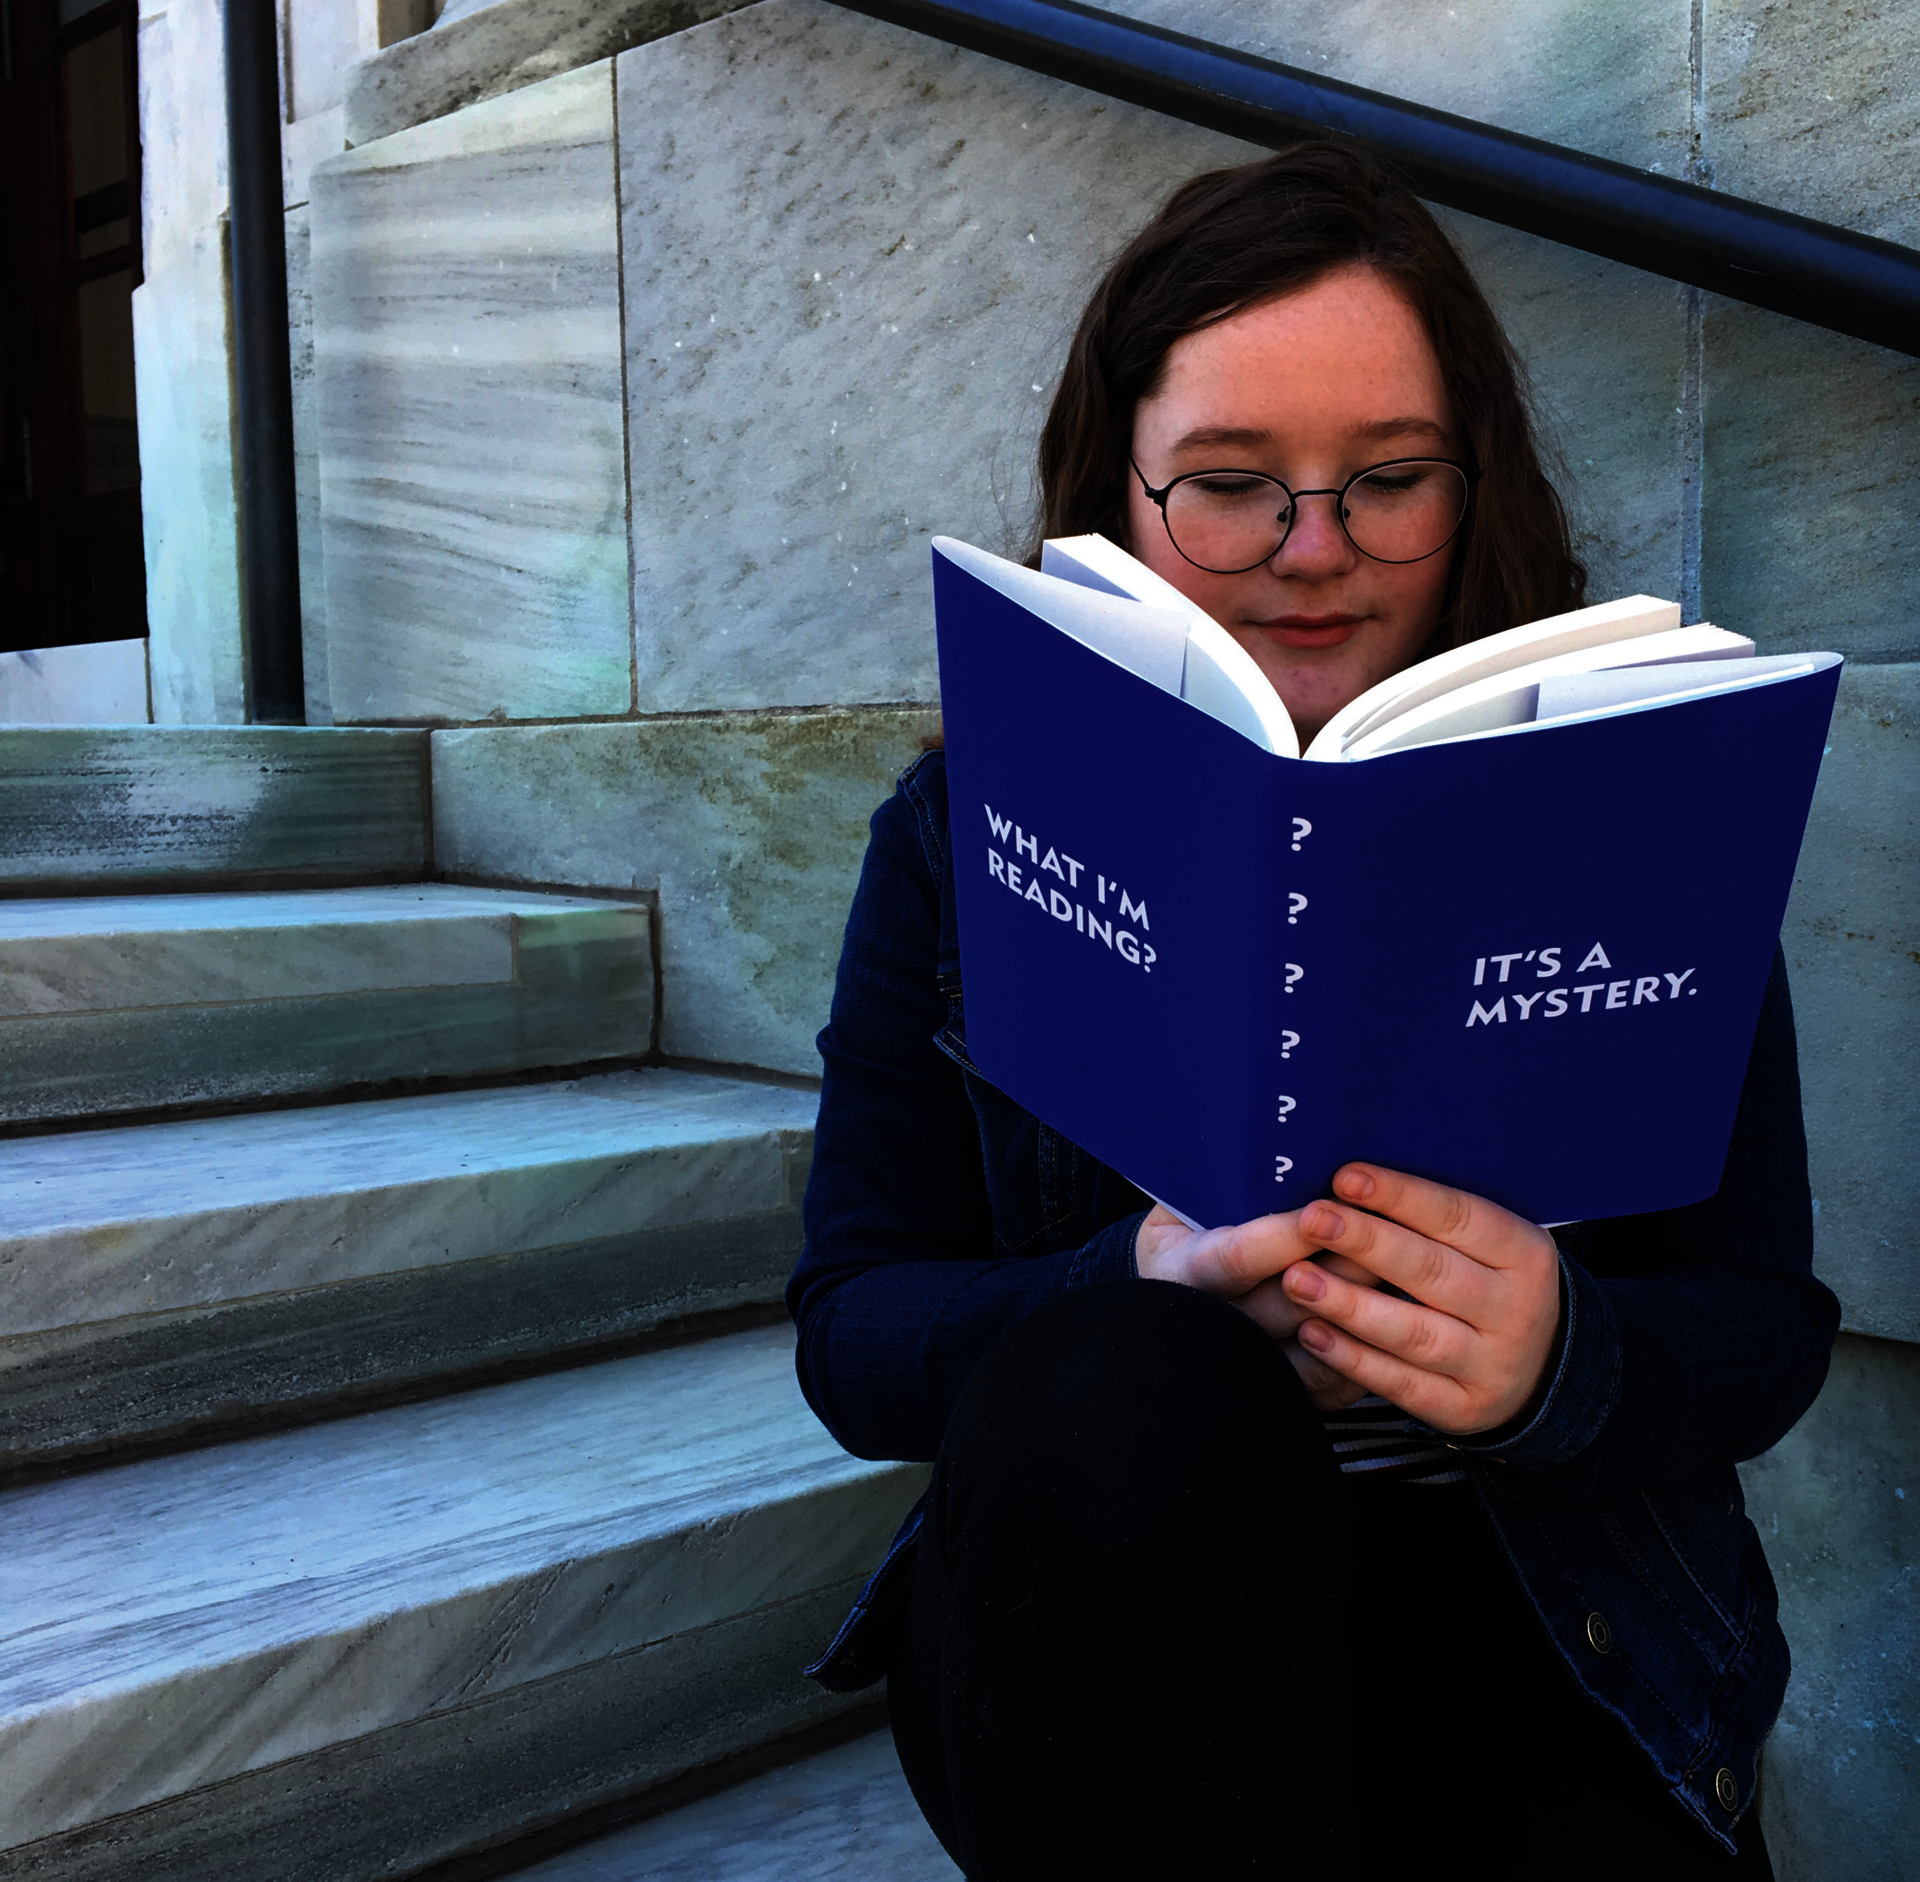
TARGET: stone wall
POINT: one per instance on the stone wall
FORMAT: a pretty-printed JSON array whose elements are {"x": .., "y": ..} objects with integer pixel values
[{"x": 641, "y": 385}]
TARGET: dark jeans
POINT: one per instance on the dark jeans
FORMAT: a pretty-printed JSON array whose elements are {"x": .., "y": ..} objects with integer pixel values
[{"x": 1153, "y": 1632}]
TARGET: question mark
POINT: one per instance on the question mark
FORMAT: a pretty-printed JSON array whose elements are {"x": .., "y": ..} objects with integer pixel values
[
  {"x": 1151, "y": 957},
  {"x": 1301, "y": 828},
  {"x": 1286, "y": 1104},
  {"x": 1288, "y": 1040},
  {"x": 1297, "y": 900},
  {"x": 1294, "y": 973},
  {"x": 1281, "y": 1165}
]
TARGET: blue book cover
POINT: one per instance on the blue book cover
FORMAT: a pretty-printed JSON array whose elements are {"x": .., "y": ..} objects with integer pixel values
[{"x": 1527, "y": 964}]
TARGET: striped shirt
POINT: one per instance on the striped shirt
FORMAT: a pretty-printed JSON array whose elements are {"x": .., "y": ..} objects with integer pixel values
[{"x": 1374, "y": 1439}]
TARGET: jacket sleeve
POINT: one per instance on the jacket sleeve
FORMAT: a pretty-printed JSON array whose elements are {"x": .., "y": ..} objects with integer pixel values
[
  {"x": 1691, "y": 1337},
  {"x": 899, "y": 1292}
]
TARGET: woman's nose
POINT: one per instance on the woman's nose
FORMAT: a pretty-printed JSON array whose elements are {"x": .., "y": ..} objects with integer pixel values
[{"x": 1316, "y": 545}]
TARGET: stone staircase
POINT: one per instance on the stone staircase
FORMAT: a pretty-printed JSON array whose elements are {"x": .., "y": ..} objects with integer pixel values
[{"x": 387, "y": 1470}]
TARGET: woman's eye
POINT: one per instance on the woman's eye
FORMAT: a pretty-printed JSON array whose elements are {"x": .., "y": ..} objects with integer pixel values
[
  {"x": 1228, "y": 489},
  {"x": 1393, "y": 483}
]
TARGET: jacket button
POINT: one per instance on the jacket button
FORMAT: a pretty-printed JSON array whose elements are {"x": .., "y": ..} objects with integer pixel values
[
  {"x": 1599, "y": 1634},
  {"x": 1726, "y": 1789}
]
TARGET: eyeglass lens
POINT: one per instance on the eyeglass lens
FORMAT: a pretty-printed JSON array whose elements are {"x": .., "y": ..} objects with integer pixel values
[{"x": 1227, "y": 521}]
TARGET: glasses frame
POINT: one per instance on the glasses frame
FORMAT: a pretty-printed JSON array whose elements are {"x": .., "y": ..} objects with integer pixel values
[{"x": 1339, "y": 493}]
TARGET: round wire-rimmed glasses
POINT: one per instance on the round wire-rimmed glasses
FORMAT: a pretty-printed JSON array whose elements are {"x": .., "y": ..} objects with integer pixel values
[{"x": 1229, "y": 521}]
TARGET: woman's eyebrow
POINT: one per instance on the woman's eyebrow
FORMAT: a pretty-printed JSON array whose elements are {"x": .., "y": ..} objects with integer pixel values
[
  {"x": 1221, "y": 434},
  {"x": 1381, "y": 428},
  {"x": 1373, "y": 431}
]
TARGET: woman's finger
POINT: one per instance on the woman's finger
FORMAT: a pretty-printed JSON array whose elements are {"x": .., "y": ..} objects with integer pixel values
[
  {"x": 1430, "y": 1340},
  {"x": 1430, "y": 1271},
  {"x": 1480, "y": 1229},
  {"x": 1433, "y": 1397},
  {"x": 1327, "y": 1391}
]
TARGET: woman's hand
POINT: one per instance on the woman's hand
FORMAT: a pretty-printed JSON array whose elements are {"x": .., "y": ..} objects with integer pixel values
[
  {"x": 1243, "y": 1265},
  {"x": 1468, "y": 1351}
]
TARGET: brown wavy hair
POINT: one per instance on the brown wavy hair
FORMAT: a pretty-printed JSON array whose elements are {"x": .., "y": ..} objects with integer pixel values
[{"x": 1232, "y": 238}]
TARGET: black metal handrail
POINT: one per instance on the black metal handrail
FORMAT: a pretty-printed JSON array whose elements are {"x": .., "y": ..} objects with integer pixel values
[
  {"x": 263, "y": 371},
  {"x": 1828, "y": 277}
]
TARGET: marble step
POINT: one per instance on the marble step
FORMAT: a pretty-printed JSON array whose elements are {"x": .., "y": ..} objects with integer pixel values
[
  {"x": 357, "y": 1648},
  {"x": 177, "y": 806},
  {"x": 112, "y": 1003},
  {"x": 843, "y": 1815},
  {"x": 161, "y": 1278}
]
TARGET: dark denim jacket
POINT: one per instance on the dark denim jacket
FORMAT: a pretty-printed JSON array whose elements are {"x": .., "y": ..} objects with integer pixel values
[{"x": 939, "y": 1212}]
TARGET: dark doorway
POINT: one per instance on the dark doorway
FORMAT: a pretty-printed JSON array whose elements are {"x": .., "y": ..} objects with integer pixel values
[{"x": 72, "y": 567}]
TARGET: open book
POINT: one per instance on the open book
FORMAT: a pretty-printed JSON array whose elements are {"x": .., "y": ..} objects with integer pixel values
[{"x": 1505, "y": 923}]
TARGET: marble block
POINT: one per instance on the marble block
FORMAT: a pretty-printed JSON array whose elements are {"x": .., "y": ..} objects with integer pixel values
[
  {"x": 1852, "y": 939},
  {"x": 466, "y": 323},
  {"x": 854, "y": 258},
  {"x": 129, "y": 807},
  {"x": 1606, "y": 79},
  {"x": 190, "y": 1619},
  {"x": 844, "y": 1815},
  {"x": 1835, "y": 1503},
  {"x": 480, "y": 51},
  {"x": 99, "y": 683},
  {"x": 142, "y": 1219},
  {"x": 183, "y": 380},
  {"x": 1812, "y": 486},
  {"x": 750, "y": 827},
  {"x": 1814, "y": 110},
  {"x": 124, "y": 1003}
]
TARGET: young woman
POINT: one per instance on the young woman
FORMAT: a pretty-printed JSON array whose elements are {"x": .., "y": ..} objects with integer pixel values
[{"x": 1393, "y": 1533}]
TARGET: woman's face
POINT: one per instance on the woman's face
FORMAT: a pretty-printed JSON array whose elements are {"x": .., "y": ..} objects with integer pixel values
[{"x": 1308, "y": 388}]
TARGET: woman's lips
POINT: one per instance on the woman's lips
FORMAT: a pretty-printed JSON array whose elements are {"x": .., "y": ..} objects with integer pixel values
[{"x": 1310, "y": 630}]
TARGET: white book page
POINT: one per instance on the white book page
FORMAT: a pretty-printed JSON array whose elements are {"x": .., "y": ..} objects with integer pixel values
[
  {"x": 1594, "y": 695},
  {"x": 1511, "y": 698},
  {"x": 1151, "y": 642},
  {"x": 1645, "y": 689},
  {"x": 1611, "y": 621},
  {"x": 1221, "y": 678}
]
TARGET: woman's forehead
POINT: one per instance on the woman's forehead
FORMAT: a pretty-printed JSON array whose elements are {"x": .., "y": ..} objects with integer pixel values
[{"x": 1346, "y": 357}]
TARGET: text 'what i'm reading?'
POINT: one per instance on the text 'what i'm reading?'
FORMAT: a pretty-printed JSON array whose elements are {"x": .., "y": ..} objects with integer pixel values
[{"x": 1109, "y": 914}]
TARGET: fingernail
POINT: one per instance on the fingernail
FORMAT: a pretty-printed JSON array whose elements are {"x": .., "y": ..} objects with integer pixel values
[
  {"x": 1306, "y": 1281},
  {"x": 1355, "y": 1183},
  {"x": 1327, "y": 1223},
  {"x": 1317, "y": 1335}
]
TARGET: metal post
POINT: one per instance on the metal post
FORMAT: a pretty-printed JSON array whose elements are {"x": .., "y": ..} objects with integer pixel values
[{"x": 263, "y": 375}]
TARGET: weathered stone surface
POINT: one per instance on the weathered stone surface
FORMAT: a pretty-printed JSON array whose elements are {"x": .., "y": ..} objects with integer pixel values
[
  {"x": 184, "y": 380},
  {"x": 1816, "y": 109},
  {"x": 472, "y": 472},
  {"x": 1837, "y": 1503},
  {"x": 795, "y": 440},
  {"x": 1812, "y": 487},
  {"x": 1585, "y": 328},
  {"x": 750, "y": 827},
  {"x": 165, "y": 1276},
  {"x": 118, "y": 1004},
  {"x": 99, "y": 683},
  {"x": 480, "y": 52},
  {"x": 105, "y": 1224},
  {"x": 217, "y": 1614},
  {"x": 199, "y": 806},
  {"x": 1853, "y": 950},
  {"x": 853, "y": 257},
  {"x": 1607, "y": 79},
  {"x": 462, "y": 1782},
  {"x": 844, "y": 1815},
  {"x": 306, "y": 467}
]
